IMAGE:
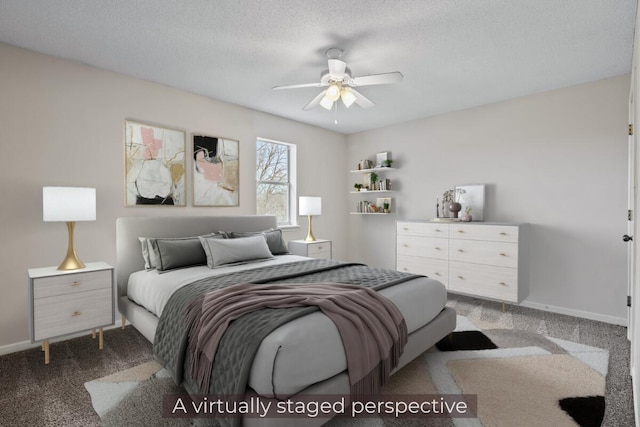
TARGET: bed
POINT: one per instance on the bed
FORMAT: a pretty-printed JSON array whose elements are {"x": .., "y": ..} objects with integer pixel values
[{"x": 281, "y": 368}]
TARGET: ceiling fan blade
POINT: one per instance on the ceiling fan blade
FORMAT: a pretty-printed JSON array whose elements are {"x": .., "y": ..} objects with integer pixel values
[
  {"x": 377, "y": 79},
  {"x": 337, "y": 68},
  {"x": 315, "y": 101},
  {"x": 362, "y": 100},
  {"x": 319, "y": 84}
]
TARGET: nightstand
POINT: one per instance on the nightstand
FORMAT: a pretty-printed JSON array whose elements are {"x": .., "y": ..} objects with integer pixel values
[
  {"x": 315, "y": 249},
  {"x": 66, "y": 302}
]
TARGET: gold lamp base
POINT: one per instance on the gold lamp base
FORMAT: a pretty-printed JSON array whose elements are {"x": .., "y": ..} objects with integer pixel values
[
  {"x": 71, "y": 261},
  {"x": 310, "y": 236}
]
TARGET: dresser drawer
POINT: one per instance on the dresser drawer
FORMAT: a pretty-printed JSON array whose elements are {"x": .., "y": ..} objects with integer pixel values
[
  {"x": 428, "y": 247},
  {"x": 319, "y": 250},
  {"x": 427, "y": 229},
  {"x": 494, "y": 233},
  {"x": 69, "y": 283},
  {"x": 478, "y": 252},
  {"x": 64, "y": 314},
  {"x": 433, "y": 268},
  {"x": 484, "y": 281}
]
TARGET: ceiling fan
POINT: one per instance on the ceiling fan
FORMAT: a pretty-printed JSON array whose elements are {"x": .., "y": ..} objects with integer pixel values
[{"x": 341, "y": 85}]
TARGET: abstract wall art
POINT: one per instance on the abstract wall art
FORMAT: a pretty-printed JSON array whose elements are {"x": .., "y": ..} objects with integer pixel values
[
  {"x": 154, "y": 165},
  {"x": 215, "y": 171}
]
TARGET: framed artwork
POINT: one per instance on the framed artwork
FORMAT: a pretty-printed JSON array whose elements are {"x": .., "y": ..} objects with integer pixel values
[
  {"x": 154, "y": 165},
  {"x": 215, "y": 171},
  {"x": 381, "y": 158},
  {"x": 472, "y": 197}
]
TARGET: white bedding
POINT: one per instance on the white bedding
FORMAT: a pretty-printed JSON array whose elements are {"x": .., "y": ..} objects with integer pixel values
[{"x": 281, "y": 367}]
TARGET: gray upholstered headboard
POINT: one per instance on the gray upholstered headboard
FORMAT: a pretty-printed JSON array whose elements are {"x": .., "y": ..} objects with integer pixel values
[{"x": 128, "y": 251}]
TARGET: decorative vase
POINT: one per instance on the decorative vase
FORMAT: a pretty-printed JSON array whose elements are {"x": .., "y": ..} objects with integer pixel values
[
  {"x": 466, "y": 217},
  {"x": 454, "y": 208}
]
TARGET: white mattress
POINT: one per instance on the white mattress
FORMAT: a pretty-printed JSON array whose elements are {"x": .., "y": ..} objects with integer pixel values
[{"x": 281, "y": 367}]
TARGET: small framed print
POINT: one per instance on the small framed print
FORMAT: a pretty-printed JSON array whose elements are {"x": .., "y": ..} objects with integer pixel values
[
  {"x": 154, "y": 165},
  {"x": 381, "y": 158}
]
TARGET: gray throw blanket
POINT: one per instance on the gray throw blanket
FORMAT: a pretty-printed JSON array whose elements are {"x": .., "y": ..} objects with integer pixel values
[{"x": 372, "y": 328}]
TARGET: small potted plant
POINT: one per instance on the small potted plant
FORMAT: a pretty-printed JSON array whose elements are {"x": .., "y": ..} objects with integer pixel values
[
  {"x": 374, "y": 179},
  {"x": 385, "y": 207},
  {"x": 357, "y": 186},
  {"x": 387, "y": 163}
]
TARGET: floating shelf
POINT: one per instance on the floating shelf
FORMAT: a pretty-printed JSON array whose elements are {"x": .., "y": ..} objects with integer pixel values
[
  {"x": 372, "y": 170},
  {"x": 372, "y": 191}
]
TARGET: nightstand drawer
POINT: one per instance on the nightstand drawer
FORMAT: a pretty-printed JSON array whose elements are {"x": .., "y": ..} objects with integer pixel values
[
  {"x": 44, "y": 287},
  {"x": 319, "y": 250},
  {"x": 64, "y": 314}
]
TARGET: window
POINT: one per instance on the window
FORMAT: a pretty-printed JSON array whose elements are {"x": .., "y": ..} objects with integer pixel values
[{"x": 275, "y": 180}]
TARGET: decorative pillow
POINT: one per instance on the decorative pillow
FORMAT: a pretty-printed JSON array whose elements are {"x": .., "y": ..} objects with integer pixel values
[
  {"x": 176, "y": 252},
  {"x": 276, "y": 243},
  {"x": 147, "y": 252},
  {"x": 231, "y": 251}
]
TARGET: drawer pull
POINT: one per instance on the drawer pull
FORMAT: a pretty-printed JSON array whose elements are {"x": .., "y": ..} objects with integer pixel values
[
  {"x": 405, "y": 269},
  {"x": 438, "y": 274},
  {"x": 502, "y": 233},
  {"x": 502, "y": 284},
  {"x": 405, "y": 245},
  {"x": 503, "y": 254},
  {"x": 437, "y": 248},
  {"x": 438, "y": 230},
  {"x": 405, "y": 228},
  {"x": 319, "y": 248},
  {"x": 460, "y": 277},
  {"x": 75, "y": 314},
  {"x": 461, "y": 231},
  {"x": 75, "y": 284},
  {"x": 460, "y": 250}
]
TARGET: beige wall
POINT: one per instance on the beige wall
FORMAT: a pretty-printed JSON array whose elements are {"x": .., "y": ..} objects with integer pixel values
[
  {"x": 61, "y": 123},
  {"x": 557, "y": 160}
]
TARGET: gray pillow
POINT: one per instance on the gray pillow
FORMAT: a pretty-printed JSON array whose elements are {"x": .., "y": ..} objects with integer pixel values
[
  {"x": 177, "y": 252},
  {"x": 222, "y": 252},
  {"x": 276, "y": 243}
]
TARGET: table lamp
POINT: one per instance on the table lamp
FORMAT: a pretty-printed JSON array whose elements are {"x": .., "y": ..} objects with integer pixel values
[
  {"x": 310, "y": 206},
  {"x": 69, "y": 204}
]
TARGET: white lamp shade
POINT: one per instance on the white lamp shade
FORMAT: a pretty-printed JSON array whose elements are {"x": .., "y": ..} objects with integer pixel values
[
  {"x": 348, "y": 98},
  {"x": 326, "y": 103},
  {"x": 68, "y": 204},
  {"x": 310, "y": 205}
]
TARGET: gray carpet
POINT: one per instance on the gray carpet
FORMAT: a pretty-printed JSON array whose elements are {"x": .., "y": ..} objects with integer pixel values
[{"x": 54, "y": 395}]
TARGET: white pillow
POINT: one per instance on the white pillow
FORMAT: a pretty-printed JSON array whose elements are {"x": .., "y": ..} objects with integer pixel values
[{"x": 231, "y": 251}]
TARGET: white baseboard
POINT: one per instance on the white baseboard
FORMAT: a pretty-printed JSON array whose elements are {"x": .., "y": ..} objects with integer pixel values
[
  {"x": 26, "y": 345},
  {"x": 576, "y": 313}
]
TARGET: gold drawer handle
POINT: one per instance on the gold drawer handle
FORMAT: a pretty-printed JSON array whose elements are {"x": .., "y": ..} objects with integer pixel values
[
  {"x": 405, "y": 245},
  {"x": 461, "y": 231},
  {"x": 75, "y": 314},
  {"x": 405, "y": 269},
  {"x": 438, "y": 274},
  {"x": 460, "y": 277},
  {"x": 503, "y": 254},
  {"x": 460, "y": 250},
  {"x": 437, "y": 248},
  {"x": 405, "y": 228},
  {"x": 75, "y": 284},
  {"x": 502, "y": 233},
  {"x": 502, "y": 284},
  {"x": 320, "y": 248},
  {"x": 438, "y": 230}
]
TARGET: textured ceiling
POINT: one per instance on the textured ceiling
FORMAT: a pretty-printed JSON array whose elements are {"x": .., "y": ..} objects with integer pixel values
[{"x": 454, "y": 54}]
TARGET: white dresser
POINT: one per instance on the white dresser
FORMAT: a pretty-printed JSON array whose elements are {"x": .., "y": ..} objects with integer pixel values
[{"x": 480, "y": 259}]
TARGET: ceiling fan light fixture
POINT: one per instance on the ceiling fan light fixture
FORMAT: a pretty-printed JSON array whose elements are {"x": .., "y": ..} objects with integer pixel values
[
  {"x": 348, "y": 98},
  {"x": 333, "y": 92},
  {"x": 326, "y": 103}
]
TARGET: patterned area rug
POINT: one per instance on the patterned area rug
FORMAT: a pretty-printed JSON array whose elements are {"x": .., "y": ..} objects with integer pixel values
[{"x": 521, "y": 379}]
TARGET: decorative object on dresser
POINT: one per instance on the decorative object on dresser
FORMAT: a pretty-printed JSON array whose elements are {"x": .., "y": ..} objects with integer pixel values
[
  {"x": 69, "y": 204},
  {"x": 486, "y": 260},
  {"x": 317, "y": 249},
  {"x": 67, "y": 302},
  {"x": 472, "y": 197},
  {"x": 310, "y": 206}
]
